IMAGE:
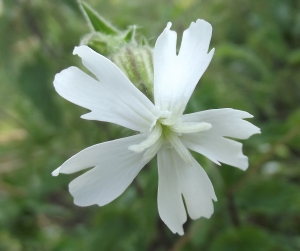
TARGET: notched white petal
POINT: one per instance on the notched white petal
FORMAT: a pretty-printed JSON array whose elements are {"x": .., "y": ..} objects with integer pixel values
[
  {"x": 217, "y": 148},
  {"x": 196, "y": 188},
  {"x": 112, "y": 99},
  {"x": 175, "y": 76},
  {"x": 164, "y": 55},
  {"x": 225, "y": 122},
  {"x": 170, "y": 204},
  {"x": 115, "y": 168},
  {"x": 107, "y": 152},
  {"x": 104, "y": 183}
]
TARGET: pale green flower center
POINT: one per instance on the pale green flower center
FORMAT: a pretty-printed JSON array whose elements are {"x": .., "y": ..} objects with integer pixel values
[{"x": 167, "y": 130}]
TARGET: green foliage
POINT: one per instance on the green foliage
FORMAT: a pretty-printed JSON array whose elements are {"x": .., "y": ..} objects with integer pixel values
[
  {"x": 255, "y": 68},
  {"x": 96, "y": 22},
  {"x": 246, "y": 239},
  {"x": 34, "y": 80},
  {"x": 273, "y": 197}
]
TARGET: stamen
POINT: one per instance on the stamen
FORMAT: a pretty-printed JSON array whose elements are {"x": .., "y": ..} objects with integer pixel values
[
  {"x": 179, "y": 147},
  {"x": 191, "y": 127},
  {"x": 152, "y": 138},
  {"x": 152, "y": 151}
]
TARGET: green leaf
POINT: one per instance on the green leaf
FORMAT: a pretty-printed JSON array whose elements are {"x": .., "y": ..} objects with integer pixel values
[
  {"x": 35, "y": 81},
  {"x": 97, "y": 22},
  {"x": 273, "y": 197},
  {"x": 8, "y": 242},
  {"x": 243, "y": 239},
  {"x": 294, "y": 57},
  {"x": 255, "y": 65}
]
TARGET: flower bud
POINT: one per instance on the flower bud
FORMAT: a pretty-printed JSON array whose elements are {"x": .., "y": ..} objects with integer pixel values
[
  {"x": 134, "y": 59},
  {"x": 102, "y": 43},
  {"x": 137, "y": 63}
]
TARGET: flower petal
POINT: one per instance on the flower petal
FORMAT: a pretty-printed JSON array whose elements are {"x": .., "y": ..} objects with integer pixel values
[
  {"x": 216, "y": 148},
  {"x": 164, "y": 56},
  {"x": 115, "y": 168},
  {"x": 114, "y": 99},
  {"x": 225, "y": 122},
  {"x": 176, "y": 76},
  {"x": 103, "y": 152},
  {"x": 195, "y": 187},
  {"x": 170, "y": 205}
]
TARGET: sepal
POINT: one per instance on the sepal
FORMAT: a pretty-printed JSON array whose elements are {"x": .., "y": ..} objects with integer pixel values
[{"x": 96, "y": 21}]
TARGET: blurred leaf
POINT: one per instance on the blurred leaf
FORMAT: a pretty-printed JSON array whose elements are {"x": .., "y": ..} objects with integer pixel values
[
  {"x": 245, "y": 56},
  {"x": 97, "y": 22},
  {"x": 294, "y": 57},
  {"x": 34, "y": 81},
  {"x": 243, "y": 239},
  {"x": 8, "y": 243},
  {"x": 271, "y": 197}
]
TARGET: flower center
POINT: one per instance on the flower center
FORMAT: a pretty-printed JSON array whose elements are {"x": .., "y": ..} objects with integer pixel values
[{"x": 168, "y": 130}]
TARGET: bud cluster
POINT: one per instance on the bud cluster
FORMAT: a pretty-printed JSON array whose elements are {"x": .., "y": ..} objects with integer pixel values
[{"x": 133, "y": 58}]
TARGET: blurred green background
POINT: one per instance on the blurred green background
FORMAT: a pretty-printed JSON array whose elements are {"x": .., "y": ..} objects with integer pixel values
[{"x": 256, "y": 68}]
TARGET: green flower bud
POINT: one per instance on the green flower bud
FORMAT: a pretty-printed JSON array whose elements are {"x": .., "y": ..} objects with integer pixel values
[
  {"x": 137, "y": 63},
  {"x": 102, "y": 43},
  {"x": 121, "y": 47}
]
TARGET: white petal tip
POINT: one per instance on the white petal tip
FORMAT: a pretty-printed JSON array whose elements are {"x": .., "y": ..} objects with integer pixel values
[
  {"x": 83, "y": 203},
  {"x": 89, "y": 116},
  {"x": 75, "y": 51},
  {"x": 203, "y": 23},
  {"x": 216, "y": 162},
  {"x": 209, "y": 216},
  {"x": 249, "y": 116},
  {"x": 212, "y": 51},
  {"x": 255, "y": 131},
  {"x": 56, "y": 172},
  {"x": 84, "y": 116},
  {"x": 180, "y": 232},
  {"x": 79, "y": 49},
  {"x": 80, "y": 204},
  {"x": 169, "y": 24},
  {"x": 244, "y": 167}
]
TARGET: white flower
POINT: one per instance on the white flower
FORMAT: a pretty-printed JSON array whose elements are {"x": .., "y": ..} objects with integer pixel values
[{"x": 164, "y": 130}]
